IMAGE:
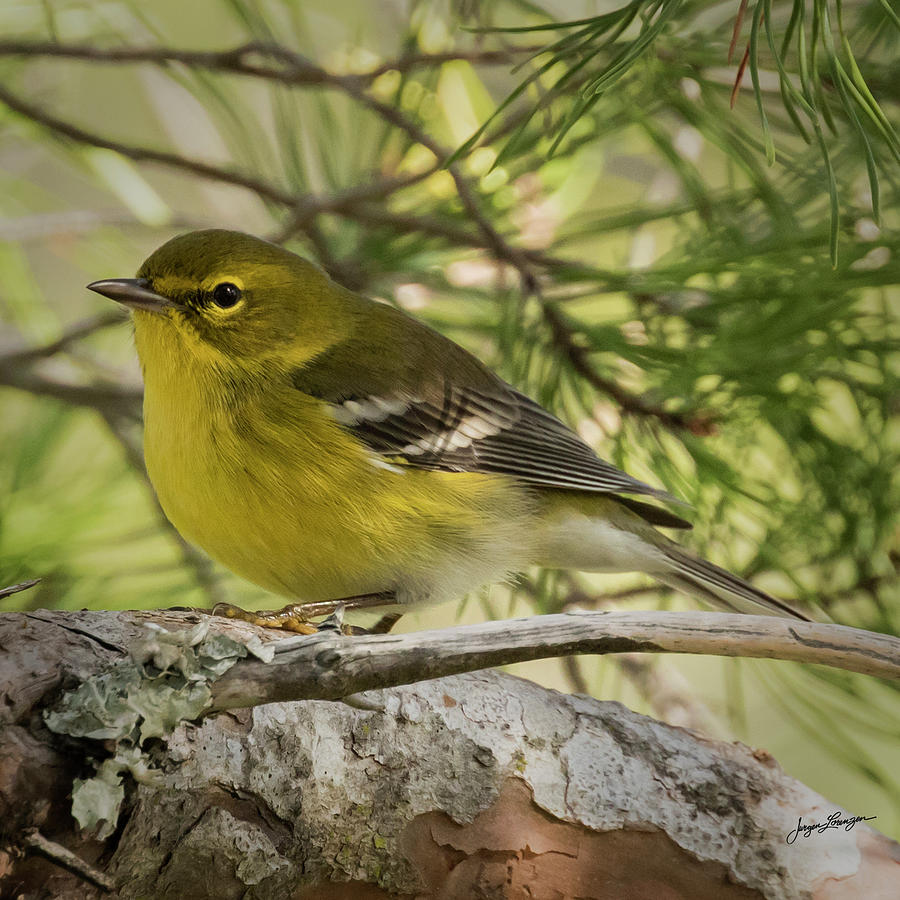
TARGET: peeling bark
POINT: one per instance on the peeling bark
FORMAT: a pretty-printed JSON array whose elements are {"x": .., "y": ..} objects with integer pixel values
[{"x": 478, "y": 785}]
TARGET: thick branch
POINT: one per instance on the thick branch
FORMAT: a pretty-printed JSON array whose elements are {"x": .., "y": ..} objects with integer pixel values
[{"x": 432, "y": 791}]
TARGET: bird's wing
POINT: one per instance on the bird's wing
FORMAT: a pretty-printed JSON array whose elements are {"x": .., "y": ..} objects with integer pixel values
[
  {"x": 444, "y": 410},
  {"x": 465, "y": 430}
]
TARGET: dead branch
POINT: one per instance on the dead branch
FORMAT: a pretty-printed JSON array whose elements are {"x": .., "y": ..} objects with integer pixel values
[{"x": 330, "y": 666}]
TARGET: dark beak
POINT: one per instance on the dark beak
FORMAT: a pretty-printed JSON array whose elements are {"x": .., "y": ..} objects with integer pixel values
[{"x": 133, "y": 292}]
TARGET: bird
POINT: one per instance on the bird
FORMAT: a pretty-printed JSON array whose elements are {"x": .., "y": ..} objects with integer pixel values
[{"x": 325, "y": 445}]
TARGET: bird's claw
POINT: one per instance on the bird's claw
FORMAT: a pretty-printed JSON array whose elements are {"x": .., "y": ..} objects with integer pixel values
[{"x": 290, "y": 618}]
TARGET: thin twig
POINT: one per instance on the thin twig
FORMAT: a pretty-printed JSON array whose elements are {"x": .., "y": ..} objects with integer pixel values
[
  {"x": 103, "y": 396},
  {"x": 66, "y": 859},
  {"x": 291, "y": 69},
  {"x": 72, "y": 334},
  {"x": 262, "y": 188},
  {"x": 18, "y": 588},
  {"x": 295, "y": 69}
]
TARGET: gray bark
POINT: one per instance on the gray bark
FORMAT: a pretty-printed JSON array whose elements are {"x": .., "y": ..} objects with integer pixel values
[{"x": 468, "y": 786}]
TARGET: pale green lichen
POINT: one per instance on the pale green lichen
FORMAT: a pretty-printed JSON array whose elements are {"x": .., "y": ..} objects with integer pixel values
[
  {"x": 165, "y": 682},
  {"x": 96, "y": 801}
]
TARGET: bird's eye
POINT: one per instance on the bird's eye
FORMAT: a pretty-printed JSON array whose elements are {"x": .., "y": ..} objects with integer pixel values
[{"x": 226, "y": 294}]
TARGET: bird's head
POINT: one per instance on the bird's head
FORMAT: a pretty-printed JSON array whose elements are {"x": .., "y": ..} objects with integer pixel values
[{"x": 229, "y": 300}]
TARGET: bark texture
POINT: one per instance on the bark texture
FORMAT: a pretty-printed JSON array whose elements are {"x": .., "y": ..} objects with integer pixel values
[{"x": 478, "y": 785}]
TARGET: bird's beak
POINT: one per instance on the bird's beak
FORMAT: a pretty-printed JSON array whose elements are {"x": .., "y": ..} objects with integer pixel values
[{"x": 133, "y": 292}]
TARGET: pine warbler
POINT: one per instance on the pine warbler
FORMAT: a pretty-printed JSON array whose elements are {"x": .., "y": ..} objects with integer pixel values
[{"x": 324, "y": 445}]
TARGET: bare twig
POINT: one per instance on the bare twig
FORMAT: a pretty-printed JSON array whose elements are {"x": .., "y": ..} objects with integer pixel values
[
  {"x": 246, "y": 59},
  {"x": 294, "y": 68},
  {"x": 18, "y": 588},
  {"x": 328, "y": 666},
  {"x": 71, "y": 335},
  {"x": 145, "y": 154},
  {"x": 66, "y": 859},
  {"x": 119, "y": 399},
  {"x": 291, "y": 69}
]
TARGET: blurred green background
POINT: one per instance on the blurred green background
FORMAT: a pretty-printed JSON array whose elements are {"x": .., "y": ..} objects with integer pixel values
[{"x": 717, "y": 309}]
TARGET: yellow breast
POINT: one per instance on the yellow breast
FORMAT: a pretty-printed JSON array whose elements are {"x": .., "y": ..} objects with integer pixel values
[{"x": 270, "y": 485}]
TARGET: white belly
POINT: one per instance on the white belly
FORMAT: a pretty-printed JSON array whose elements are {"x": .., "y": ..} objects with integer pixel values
[{"x": 577, "y": 541}]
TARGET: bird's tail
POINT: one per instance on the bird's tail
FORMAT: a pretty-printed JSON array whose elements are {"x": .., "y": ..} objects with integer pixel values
[
  {"x": 702, "y": 579},
  {"x": 610, "y": 534}
]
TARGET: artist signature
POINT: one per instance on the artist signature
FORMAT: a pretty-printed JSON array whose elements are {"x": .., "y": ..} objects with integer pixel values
[{"x": 833, "y": 821}]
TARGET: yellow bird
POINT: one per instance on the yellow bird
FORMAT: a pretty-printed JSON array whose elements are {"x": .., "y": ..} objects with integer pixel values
[{"x": 324, "y": 445}]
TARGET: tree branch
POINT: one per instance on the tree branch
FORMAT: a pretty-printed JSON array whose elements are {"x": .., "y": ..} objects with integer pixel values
[
  {"x": 471, "y": 762},
  {"x": 328, "y": 666},
  {"x": 118, "y": 399},
  {"x": 18, "y": 588},
  {"x": 295, "y": 69},
  {"x": 73, "y": 333},
  {"x": 262, "y": 188}
]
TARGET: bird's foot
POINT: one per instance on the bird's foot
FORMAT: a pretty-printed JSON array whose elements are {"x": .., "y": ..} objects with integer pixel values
[
  {"x": 289, "y": 618},
  {"x": 296, "y": 617}
]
